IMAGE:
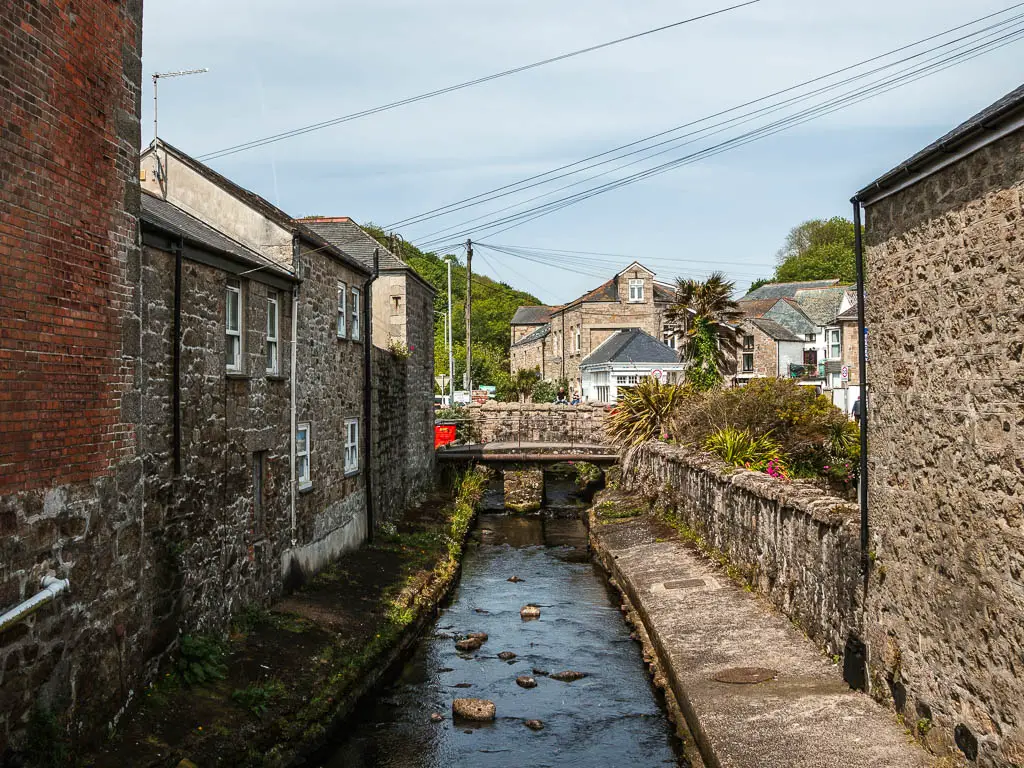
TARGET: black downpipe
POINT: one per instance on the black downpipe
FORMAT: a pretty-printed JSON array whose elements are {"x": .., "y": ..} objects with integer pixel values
[
  {"x": 368, "y": 393},
  {"x": 176, "y": 374},
  {"x": 862, "y": 355}
]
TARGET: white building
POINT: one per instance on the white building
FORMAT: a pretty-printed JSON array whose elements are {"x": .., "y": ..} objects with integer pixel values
[{"x": 622, "y": 360}]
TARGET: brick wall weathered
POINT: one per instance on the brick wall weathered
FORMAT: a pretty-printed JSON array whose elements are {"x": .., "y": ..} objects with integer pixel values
[
  {"x": 70, "y": 481},
  {"x": 793, "y": 543},
  {"x": 497, "y": 422},
  {"x": 945, "y": 288}
]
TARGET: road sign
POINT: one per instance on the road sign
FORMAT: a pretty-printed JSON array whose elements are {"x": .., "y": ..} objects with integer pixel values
[
  {"x": 658, "y": 374},
  {"x": 845, "y": 373}
]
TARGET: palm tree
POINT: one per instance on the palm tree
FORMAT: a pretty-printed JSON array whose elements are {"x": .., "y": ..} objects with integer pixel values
[{"x": 704, "y": 313}]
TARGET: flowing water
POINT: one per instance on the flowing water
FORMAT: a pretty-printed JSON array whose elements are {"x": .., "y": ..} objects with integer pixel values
[{"x": 610, "y": 718}]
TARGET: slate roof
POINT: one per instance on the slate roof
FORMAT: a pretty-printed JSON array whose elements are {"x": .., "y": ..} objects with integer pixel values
[
  {"x": 756, "y": 307},
  {"x": 789, "y": 314},
  {"x": 169, "y": 217},
  {"x": 821, "y": 305},
  {"x": 353, "y": 239},
  {"x": 664, "y": 292},
  {"x": 537, "y": 335},
  {"x": 986, "y": 120},
  {"x": 260, "y": 204},
  {"x": 631, "y": 346},
  {"x": 533, "y": 315},
  {"x": 775, "y": 330},
  {"x": 786, "y": 290},
  {"x": 849, "y": 314}
]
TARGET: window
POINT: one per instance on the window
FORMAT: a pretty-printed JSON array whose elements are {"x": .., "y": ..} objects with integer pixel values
[
  {"x": 811, "y": 337},
  {"x": 351, "y": 446},
  {"x": 636, "y": 290},
  {"x": 233, "y": 326},
  {"x": 627, "y": 381},
  {"x": 836, "y": 380},
  {"x": 303, "y": 448},
  {"x": 603, "y": 393},
  {"x": 810, "y": 357},
  {"x": 355, "y": 313},
  {"x": 272, "y": 331},
  {"x": 576, "y": 340},
  {"x": 748, "y": 343},
  {"x": 342, "y": 295},
  {"x": 669, "y": 338},
  {"x": 748, "y": 362},
  {"x": 833, "y": 342}
]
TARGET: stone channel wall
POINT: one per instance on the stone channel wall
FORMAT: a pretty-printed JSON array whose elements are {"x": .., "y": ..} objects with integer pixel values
[
  {"x": 537, "y": 423},
  {"x": 945, "y": 291},
  {"x": 793, "y": 543}
]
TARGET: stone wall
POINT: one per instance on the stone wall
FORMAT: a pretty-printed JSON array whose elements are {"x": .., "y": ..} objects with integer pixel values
[
  {"x": 766, "y": 354},
  {"x": 389, "y": 437},
  {"x": 795, "y": 544},
  {"x": 418, "y": 466},
  {"x": 70, "y": 481},
  {"x": 537, "y": 423},
  {"x": 945, "y": 614}
]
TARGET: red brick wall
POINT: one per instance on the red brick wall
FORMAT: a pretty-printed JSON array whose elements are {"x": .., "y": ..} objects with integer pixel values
[{"x": 69, "y": 138}]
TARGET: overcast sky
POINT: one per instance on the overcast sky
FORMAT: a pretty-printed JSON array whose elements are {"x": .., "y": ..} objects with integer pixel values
[{"x": 276, "y": 66}]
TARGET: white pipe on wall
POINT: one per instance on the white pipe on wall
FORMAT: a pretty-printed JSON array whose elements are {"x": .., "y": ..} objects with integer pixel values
[{"x": 52, "y": 587}]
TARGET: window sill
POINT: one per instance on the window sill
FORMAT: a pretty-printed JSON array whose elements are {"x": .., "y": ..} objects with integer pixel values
[
  {"x": 237, "y": 376},
  {"x": 305, "y": 488},
  {"x": 351, "y": 472},
  {"x": 276, "y": 377}
]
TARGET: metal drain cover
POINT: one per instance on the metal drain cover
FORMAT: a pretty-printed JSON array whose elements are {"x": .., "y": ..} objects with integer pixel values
[{"x": 745, "y": 675}]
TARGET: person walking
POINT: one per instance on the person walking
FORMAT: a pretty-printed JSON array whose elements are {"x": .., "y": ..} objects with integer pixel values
[{"x": 855, "y": 411}]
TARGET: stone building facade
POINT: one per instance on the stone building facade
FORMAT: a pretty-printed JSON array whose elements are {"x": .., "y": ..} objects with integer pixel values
[
  {"x": 71, "y": 502},
  {"x": 631, "y": 299},
  {"x": 944, "y": 281}
]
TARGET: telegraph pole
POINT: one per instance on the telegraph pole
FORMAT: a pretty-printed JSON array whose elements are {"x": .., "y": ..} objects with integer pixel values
[
  {"x": 469, "y": 306},
  {"x": 449, "y": 340}
]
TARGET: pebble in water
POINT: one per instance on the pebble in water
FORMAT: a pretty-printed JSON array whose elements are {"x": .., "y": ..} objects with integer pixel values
[
  {"x": 506, "y": 655},
  {"x": 535, "y": 725},
  {"x": 525, "y": 681},
  {"x": 529, "y": 612},
  {"x": 474, "y": 709},
  {"x": 568, "y": 676}
]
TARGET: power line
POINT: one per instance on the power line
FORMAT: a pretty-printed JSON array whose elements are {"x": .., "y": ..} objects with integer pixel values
[
  {"x": 822, "y": 109},
  {"x": 490, "y": 195},
  {"x": 468, "y": 84}
]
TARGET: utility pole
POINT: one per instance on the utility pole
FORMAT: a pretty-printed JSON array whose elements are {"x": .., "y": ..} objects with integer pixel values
[
  {"x": 449, "y": 340},
  {"x": 469, "y": 307}
]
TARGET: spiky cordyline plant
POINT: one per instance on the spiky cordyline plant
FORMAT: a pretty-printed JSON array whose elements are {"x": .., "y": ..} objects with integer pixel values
[
  {"x": 703, "y": 312},
  {"x": 642, "y": 412},
  {"x": 742, "y": 449}
]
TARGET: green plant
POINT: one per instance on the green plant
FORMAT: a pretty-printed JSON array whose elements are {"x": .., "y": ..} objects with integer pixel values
[
  {"x": 201, "y": 659},
  {"x": 45, "y": 743},
  {"x": 924, "y": 725},
  {"x": 705, "y": 313},
  {"x": 544, "y": 392},
  {"x": 257, "y": 697},
  {"x": 399, "y": 349},
  {"x": 742, "y": 449},
  {"x": 642, "y": 412}
]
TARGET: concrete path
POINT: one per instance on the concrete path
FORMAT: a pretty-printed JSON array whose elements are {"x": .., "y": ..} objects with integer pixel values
[{"x": 703, "y": 625}]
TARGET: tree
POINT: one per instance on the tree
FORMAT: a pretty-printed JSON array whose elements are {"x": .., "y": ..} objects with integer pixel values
[
  {"x": 818, "y": 250},
  {"x": 525, "y": 381},
  {"x": 703, "y": 312}
]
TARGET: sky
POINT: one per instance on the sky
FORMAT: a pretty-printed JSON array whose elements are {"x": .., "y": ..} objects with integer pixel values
[{"x": 278, "y": 66}]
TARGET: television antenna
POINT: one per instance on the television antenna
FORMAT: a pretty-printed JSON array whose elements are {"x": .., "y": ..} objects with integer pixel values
[{"x": 157, "y": 76}]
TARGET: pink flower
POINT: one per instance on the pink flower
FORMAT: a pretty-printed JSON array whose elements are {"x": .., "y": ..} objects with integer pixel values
[{"x": 826, "y": 466}]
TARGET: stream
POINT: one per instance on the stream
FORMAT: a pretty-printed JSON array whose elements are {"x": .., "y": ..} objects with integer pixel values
[{"x": 611, "y": 717}]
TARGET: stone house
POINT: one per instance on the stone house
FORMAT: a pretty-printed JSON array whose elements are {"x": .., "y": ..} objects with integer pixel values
[
  {"x": 630, "y": 299},
  {"x": 944, "y": 286},
  {"x": 766, "y": 348},
  {"x": 526, "y": 320},
  {"x": 622, "y": 360},
  {"x": 403, "y": 314}
]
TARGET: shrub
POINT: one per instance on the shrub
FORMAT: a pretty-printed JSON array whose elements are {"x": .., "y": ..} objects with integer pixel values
[
  {"x": 398, "y": 348},
  {"x": 742, "y": 449},
  {"x": 642, "y": 412},
  {"x": 201, "y": 660},
  {"x": 543, "y": 392},
  {"x": 258, "y": 697}
]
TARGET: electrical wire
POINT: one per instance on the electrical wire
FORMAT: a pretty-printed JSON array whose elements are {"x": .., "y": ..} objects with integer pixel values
[
  {"x": 486, "y": 196},
  {"x": 460, "y": 86}
]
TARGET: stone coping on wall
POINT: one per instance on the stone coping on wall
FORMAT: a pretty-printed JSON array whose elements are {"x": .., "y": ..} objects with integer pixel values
[{"x": 494, "y": 405}]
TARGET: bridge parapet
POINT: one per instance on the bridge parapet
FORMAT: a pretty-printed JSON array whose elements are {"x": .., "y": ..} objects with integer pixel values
[{"x": 537, "y": 423}]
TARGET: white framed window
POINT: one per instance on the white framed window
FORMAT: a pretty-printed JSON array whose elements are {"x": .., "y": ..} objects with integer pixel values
[
  {"x": 303, "y": 449},
  {"x": 351, "y": 446},
  {"x": 669, "y": 338},
  {"x": 342, "y": 298},
  {"x": 748, "y": 362},
  {"x": 627, "y": 380},
  {"x": 603, "y": 393},
  {"x": 233, "y": 326},
  {"x": 833, "y": 343},
  {"x": 355, "y": 313},
  {"x": 273, "y": 323},
  {"x": 576, "y": 339},
  {"x": 636, "y": 290}
]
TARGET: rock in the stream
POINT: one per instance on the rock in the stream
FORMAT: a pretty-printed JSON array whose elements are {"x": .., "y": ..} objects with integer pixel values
[
  {"x": 463, "y": 685},
  {"x": 525, "y": 681},
  {"x": 506, "y": 655},
  {"x": 540, "y": 672},
  {"x": 529, "y": 612},
  {"x": 436, "y": 717},
  {"x": 481, "y": 636},
  {"x": 515, "y": 579},
  {"x": 534, "y": 725},
  {"x": 568, "y": 676},
  {"x": 469, "y": 644},
  {"x": 480, "y": 710}
]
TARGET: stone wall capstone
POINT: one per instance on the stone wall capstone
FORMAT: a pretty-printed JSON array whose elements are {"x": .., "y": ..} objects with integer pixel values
[{"x": 794, "y": 543}]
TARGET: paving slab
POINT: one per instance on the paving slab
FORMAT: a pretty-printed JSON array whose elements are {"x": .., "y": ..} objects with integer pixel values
[{"x": 707, "y": 631}]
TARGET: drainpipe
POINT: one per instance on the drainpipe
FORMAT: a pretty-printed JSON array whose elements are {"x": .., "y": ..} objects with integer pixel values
[
  {"x": 176, "y": 373},
  {"x": 862, "y": 358},
  {"x": 368, "y": 393},
  {"x": 51, "y": 588},
  {"x": 295, "y": 355}
]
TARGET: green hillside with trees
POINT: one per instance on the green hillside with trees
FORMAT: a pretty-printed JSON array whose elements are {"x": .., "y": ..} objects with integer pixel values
[
  {"x": 820, "y": 249},
  {"x": 494, "y": 303}
]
